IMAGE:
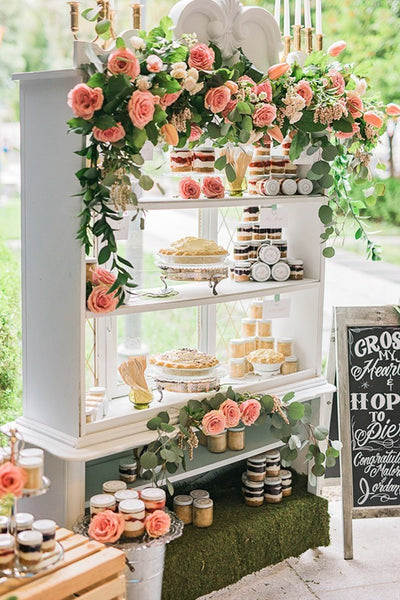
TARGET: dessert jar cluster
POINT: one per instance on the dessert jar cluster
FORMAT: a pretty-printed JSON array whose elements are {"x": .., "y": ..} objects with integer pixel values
[
  {"x": 265, "y": 481},
  {"x": 31, "y": 460},
  {"x": 195, "y": 507},
  {"x": 28, "y": 543},
  {"x": 257, "y": 346},
  {"x": 232, "y": 438},
  {"x": 199, "y": 160}
]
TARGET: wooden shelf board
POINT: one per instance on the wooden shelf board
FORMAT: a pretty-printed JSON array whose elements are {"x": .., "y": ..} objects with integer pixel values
[{"x": 168, "y": 203}]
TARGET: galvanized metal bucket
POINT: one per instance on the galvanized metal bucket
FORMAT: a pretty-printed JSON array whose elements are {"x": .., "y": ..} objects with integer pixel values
[{"x": 144, "y": 572}]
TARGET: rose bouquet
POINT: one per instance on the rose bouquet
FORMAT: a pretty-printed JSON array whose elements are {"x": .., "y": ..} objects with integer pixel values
[{"x": 101, "y": 291}]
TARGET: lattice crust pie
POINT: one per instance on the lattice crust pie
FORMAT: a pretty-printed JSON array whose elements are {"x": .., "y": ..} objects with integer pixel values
[
  {"x": 266, "y": 357},
  {"x": 194, "y": 246},
  {"x": 184, "y": 358}
]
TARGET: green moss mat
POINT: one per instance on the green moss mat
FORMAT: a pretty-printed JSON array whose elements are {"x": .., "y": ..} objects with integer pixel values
[{"x": 242, "y": 539}]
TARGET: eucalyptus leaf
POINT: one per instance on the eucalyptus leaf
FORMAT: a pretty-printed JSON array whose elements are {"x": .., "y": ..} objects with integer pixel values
[
  {"x": 220, "y": 162},
  {"x": 148, "y": 460},
  {"x": 330, "y": 152},
  {"x": 325, "y": 214},
  {"x": 295, "y": 411},
  {"x": 230, "y": 173},
  {"x": 321, "y": 167},
  {"x": 154, "y": 423},
  {"x": 318, "y": 470},
  {"x": 164, "y": 416},
  {"x": 267, "y": 403},
  {"x": 330, "y": 461},
  {"x": 146, "y": 182},
  {"x": 321, "y": 432},
  {"x": 337, "y": 445},
  {"x": 328, "y": 252}
]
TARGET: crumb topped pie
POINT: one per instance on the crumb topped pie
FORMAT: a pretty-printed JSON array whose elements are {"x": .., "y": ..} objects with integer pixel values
[
  {"x": 265, "y": 356},
  {"x": 185, "y": 359},
  {"x": 194, "y": 246}
]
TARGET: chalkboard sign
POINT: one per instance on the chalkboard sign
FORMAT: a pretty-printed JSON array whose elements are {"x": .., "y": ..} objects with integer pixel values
[{"x": 368, "y": 380}]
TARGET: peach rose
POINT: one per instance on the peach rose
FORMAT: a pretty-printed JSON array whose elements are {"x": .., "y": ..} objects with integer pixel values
[
  {"x": 231, "y": 412},
  {"x": 278, "y": 70},
  {"x": 354, "y": 104},
  {"x": 102, "y": 276},
  {"x": 213, "y": 187},
  {"x": 169, "y": 99},
  {"x": 216, "y": 99},
  {"x": 154, "y": 63},
  {"x": 250, "y": 411},
  {"x": 141, "y": 108},
  {"x": 195, "y": 132},
  {"x": 213, "y": 422},
  {"x": 84, "y": 100},
  {"x": 189, "y": 188},
  {"x": 232, "y": 86},
  {"x": 100, "y": 301},
  {"x": 336, "y": 48},
  {"x": 393, "y": 110},
  {"x": 112, "y": 134},
  {"x": 264, "y": 115},
  {"x": 169, "y": 134},
  {"x": 106, "y": 527},
  {"x": 201, "y": 57},
  {"x": 337, "y": 81},
  {"x": 123, "y": 61},
  {"x": 266, "y": 88},
  {"x": 12, "y": 479},
  {"x": 276, "y": 134},
  {"x": 229, "y": 108},
  {"x": 304, "y": 90},
  {"x": 341, "y": 135},
  {"x": 372, "y": 118},
  {"x": 157, "y": 523},
  {"x": 246, "y": 79}
]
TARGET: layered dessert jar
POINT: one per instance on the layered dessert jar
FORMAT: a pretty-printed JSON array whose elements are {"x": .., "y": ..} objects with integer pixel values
[
  {"x": 29, "y": 547},
  {"x": 273, "y": 463},
  {"x": 101, "y": 502},
  {"x": 7, "y": 550},
  {"x": 47, "y": 528},
  {"x": 181, "y": 160},
  {"x": 154, "y": 499},
  {"x": 203, "y": 160},
  {"x": 133, "y": 512}
]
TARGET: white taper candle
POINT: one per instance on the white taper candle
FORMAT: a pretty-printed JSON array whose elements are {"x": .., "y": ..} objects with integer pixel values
[
  {"x": 277, "y": 12},
  {"x": 318, "y": 17},
  {"x": 286, "y": 18},
  {"x": 307, "y": 14},
  {"x": 297, "y": 13}
]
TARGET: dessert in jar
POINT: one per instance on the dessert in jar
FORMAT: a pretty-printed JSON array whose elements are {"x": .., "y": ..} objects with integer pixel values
[
  {"x": 91, "y": 266},
  {"x": 197, "y": 494},
  {"x": 273, "y": 490},
  {"x": 259, "y": 164},
  {"x": 260, "y": 272},
  {"x": 244, "y": 231},
  {"x": 290, "y": 169},
  {"x": 290, "y": 365},
  {"x": 30, "y": 452},
  {"x": 236, "y": 438},
  {"x": 250, "y": 344},
  {"x": 288, "y": 187},
  {"x": 181, "y": 160},
  {"x": 23, "y": 521},
  {"x": 217, "y": 443},
  {"x": 98, "y": 394},
  {"x": 256, "y": 309},
  {"x": 115, "y": 485},
  {"x": 7, "y": 550},
  {"x": 253, "y": 248},
  {"x": 153, "y": 498},
  {"x": 249, "y": 327},
  {"x": 274, "y": 233},
  {"x": 242, "y": 272},
  {"x": 203, "y": 160},
  {"x": 265, "y": 343},
  {"x": 203, "y": 509},
  {"x": 232, "y": 272},
  {"x": 264, "y": 327},
  {"x": 125, "y": 495},
  {"x": 269, "y": 254},
  {"x": 241, "y": 251},
  {"x": 33, "y": 467},
  {"x": 286, "y": 479},
  {"x": 285, "y": 346},
  {"x": 29, "y": 547},
  {"x": 237, "y": 368},
  {"x": 304, "y": 186},
  {"x": 259, "y": 233},
  {"x": 128, "y": 470},
  {"x": 252, "y": 184},
  {"x": 278, "y": 165},
  {"x": 183, "y": 508},
  {"x": 237, "y": 348},
  {"x": 273, "y": 459},
  {"x": 251, "y": 213},
  {"x": 47, "y": 528},
  {"x": 253, "y": 491},
  {"x": 266, "y": 362},
  {"x": 280, "y": 271},
  {"x": 4, "y": 524},
  {"x": 287, "y": 142},
  {"x": 90, "y": 414},
  {"x": 101, "y": 502},
  {"x": 133, "y": 512},
  {"x": 282, "y": 247},
  {"x": 296, "y": 268},
  {"x": 256, "y": 466},
  {"x": 268, "y": 187}
]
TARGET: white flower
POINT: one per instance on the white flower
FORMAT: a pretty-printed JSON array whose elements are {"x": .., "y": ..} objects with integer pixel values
[
  {"x": 143, "y": 83},
  {"x": 253, "y": 97},
  {"x": 179, "y": 65},
  {"x": 196, "y": 89},
  {"x": 137, "y": 43},
  {"x": 262, "y": 96},
  {"x": 189, "y": 84},
  {"x": 193, "y": 73},
  {"x": 178, "y": 73}
]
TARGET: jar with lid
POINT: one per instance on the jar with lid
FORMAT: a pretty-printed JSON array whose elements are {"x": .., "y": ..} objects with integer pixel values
[
  {"x": 90, "y": 413},
  {"x": 236, "y": 438},
  {"x": 23, "y": 521},
  {"x": 237, "y": 348},
  {"x": 288, "y": 187},
  {"x": 273, "y": 490},
  {"x": 47, "y": 528},
  {"x": 290, "y": 365},
  {"x": 101, "y": 502},
  {"x": 269, "y": 187},
  {"x": 237, "y": 368},
  {"x": 249, "y": 327},
  {"x": 4, "y": 524},
  {"x": 133, "y": 512},
  {"x": 273, "y": 463},
  {"x": 99, "y": 393},
  {"x": 244, "y": 232},
  {"x": 33, "y": 467},
  {"x": 296, "y": 268},
  {"x": 259, "y": 233},
  {"x": 256, "y": 467},
  {"x": 256, "y": 309},
  {"x": 32, "y": 452},
  {"x": 253, "y": 248},
  {"x": 260, "y": 272},
  {"x": 304, "y": 186},
  {"x": 265, "y": 343},
  {"x": 7, "y": 550},
  {"x": 286, "y": 479},
  {"x": 217, "y": 443},
  {"x": 115, "y": 485},
  {"x": 183, "y": 508},
  {"x": 253, "y": 491},
  {"x": 197, "y": 494},
  {"x": 242, "y": 271},
  {"x": 241, "y": 251},
  {"x": 264, "y": 327},
  {"x": 281, "y": 245},
  {"x": 269, "y": 254},
  {"x": 280, "y": 271},
  {"x": 125, "y": 495},
  {"x": 154, "y": 499},
  {"x": 203, "y": 509},
  {"x": 284, "y": 346},
  {"x": 128, "y": 470},
  {"x": 29, "y": 547},
  {"x": 250, "y": 344},
  {"x": 251, "y": 213},
  {"x": 274, "y": 233}
]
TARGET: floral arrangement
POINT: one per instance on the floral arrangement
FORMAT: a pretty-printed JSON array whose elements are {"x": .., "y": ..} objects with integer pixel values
[
  {"x": 12, "y": 483},
  {"x": 287, "y": 420},
  {"x": 107, "y": 527},
  {"x": 101, "y": 291},
  {"x": 154, "y": 89}
]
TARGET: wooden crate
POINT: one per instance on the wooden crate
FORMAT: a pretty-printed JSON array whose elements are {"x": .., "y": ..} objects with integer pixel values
[{"x": 89, "y": 571}]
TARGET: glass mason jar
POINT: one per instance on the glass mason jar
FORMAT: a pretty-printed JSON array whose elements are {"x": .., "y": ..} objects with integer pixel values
[{"x": 239, "y": 157}]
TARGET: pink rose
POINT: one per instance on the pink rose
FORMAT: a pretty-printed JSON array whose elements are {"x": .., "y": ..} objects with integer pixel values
[
  {"x": 354, "y": 104},
  {"x": 84, "y": 100},
  {"x": 250, "y": 411},
  {"x": 264, "y": 115},
  {"x": 229, "y": 108},
  {"x": 231, "y": 412},
  {"x": 154, "y": 63},
  {"x": 201, "y": 57},
  {"x": 100, "y": 301},
  {"x": 141, "y": 108},
  {"x": 169, "y": 99},
  {"x": 304, "y": 90},
  {"x": 278, "y": 70},
  {"x": 216, "y": 99},
  {"x": 265, "y": 87},
  {"x": 337, "y": 81},
  {"x": 106, "y": 527},
  {"x": 246, "y": 79},
  {"x": 232, "y": 86},
  {"x": 336, "y": 48},
  {"x": 12, "y": 479},
  {"x": 341, "y": 135},
  {"x": 112, "y": 134},
  {"x": 101, "y": 275},
  {"x": 157, "y": 523},
  {"x": 213, "y": 187},
  {"x": 213, "y": 422},
  {"x": 123, "y": 61},
  {"x": 393, "y": 110},
  {"x": 195, "y": 132},
  {"x": 189, "y": 188},
  {"x": 373, "y": 119}
]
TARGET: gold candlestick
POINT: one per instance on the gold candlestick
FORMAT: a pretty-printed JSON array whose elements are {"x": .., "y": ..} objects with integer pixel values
[
  {"x": 137, "y": 16},
  {"x": 112, "y": 27},
  {"x": 297, "y": 37},
  {"x": 74, "y": 15},
  {"x": 102, "y": 4},
  {"x": 308, "y": 39},
  {"x": 286, "y": 46},
  {"x": 319, "y": 39}
]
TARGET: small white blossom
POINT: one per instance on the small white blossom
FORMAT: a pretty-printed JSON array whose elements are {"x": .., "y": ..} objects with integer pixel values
[
  {"x": 193, "y": 73},
  {"x": 143, "y": 83},
  {"x": 262, "y": 96},
  {"x": 196, "y": 89},
  {"x": 179, "y": 65},
  {"x": 189, "y": 84},
  {"x": 253, "y": 97},
  {"x": 178, "y": 73},
  {"x": 137, "y": 43}
]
